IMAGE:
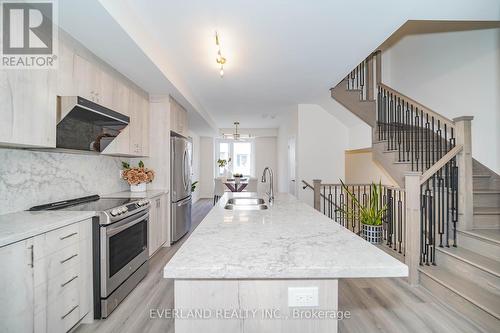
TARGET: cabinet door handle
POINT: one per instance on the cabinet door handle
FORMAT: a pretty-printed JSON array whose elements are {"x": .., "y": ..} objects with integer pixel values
[
  {"x": 68, "y": 313},
  {"x": 69, "y": 281},
  {"x": 68, "y": 236},
  {"x": 32, "y": 256},
  {"x": 69, "y": 258}
]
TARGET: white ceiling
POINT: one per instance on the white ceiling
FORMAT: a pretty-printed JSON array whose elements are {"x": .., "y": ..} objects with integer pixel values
[{"x": 280, "y": 53}]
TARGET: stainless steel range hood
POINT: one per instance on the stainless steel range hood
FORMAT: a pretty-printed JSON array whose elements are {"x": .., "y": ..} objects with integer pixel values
[{"x": 85, "y": 125}]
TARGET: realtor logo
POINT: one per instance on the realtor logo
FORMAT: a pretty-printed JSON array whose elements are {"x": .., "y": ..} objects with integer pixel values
[{"x": 29, "y": 34}]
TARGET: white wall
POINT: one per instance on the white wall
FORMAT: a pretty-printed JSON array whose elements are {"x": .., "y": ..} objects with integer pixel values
[
  {"x": 207, "y": 163},
  {"x": 287, "y": 131},
  {"x": 266, "y": 156},
  {"x": 321, "y": 142},
  {"x": 454, "y": 74},
  {"x": 360, "y": 168}
]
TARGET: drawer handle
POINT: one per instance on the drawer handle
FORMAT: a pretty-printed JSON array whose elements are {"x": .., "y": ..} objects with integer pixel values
[
  {"x": 69, "y": 312},
  {"x": 65, "y": 283},
  {"x": 68, "y": 236},
  {"x": 69, "y": 258}
]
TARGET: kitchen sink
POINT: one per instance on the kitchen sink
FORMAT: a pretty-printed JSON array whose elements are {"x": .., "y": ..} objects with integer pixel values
[
  {"x": 245, "y": 201},
  {"x": 245, "y": 207}
]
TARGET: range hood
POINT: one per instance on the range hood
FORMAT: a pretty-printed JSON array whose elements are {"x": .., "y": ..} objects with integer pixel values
[{"x": 85, "y": 125}]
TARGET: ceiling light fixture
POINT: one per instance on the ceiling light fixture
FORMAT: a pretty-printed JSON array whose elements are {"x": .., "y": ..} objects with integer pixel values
[
  {"x": 236, "y": 135},
  {"x": 220, "y": 59}
]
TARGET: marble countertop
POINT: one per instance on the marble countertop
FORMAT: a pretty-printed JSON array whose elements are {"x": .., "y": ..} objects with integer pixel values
[
  {"x": 290, "y": 240},
  {"x": 128, "y": 194},
  {"x": 15, "y": 227}
]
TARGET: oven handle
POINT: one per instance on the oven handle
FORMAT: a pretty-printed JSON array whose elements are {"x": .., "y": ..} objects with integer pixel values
[{"x": 126, "y": 223}]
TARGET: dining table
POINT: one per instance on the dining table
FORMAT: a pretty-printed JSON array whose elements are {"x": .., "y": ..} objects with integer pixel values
[{"x": 236, "y": 185}]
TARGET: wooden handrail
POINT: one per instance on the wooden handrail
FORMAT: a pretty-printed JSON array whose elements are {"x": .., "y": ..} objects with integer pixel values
[
  {"x": 441, "y": 163},
  {"x": 386, "y": 186},
  {"x": 436, "y": 115}
]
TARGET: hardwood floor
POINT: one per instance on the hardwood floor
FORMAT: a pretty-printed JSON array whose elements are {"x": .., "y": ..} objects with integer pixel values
[{"x": 376, "y": 305}]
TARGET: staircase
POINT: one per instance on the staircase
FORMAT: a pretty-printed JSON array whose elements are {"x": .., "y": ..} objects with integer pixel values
[{"x": 457, "y": 252}]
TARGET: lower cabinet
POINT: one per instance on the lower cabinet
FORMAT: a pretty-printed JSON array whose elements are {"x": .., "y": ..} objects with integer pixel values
[
  {"x": 158, "y": 223},
  {"x": 48, "y": 279},
  {"x": 17, "y": 287}
]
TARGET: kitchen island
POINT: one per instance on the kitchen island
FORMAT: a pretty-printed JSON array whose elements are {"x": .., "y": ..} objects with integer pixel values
[{"x": 269, "y": 270}]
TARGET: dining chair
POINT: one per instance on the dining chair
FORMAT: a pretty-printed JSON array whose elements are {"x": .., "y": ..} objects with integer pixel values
[
  {"x": 219, "y": 189},
  {"x": 252, "y": 185}
]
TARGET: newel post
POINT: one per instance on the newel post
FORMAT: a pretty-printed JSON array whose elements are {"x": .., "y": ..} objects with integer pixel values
[
  {"x": 464, "y": 163},
  {"x": 413, "y": 232},
  {"x": 378, "y": 67},
  {"x": 370, "y": 82},
  {"x": 317, "y": 193}
]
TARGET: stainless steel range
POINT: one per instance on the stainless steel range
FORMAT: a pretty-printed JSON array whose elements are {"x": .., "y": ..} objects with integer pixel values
[{"x": 120, "y": 246}]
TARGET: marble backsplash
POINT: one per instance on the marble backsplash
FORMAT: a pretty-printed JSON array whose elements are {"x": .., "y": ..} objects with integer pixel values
[{"x": 29, "y": 178}]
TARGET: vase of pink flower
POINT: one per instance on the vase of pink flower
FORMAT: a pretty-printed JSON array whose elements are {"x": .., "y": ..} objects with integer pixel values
[{"x": 137, "y": 177}]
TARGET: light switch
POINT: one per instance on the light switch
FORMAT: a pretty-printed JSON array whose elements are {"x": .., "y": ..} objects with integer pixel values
[{"x": 303, "y": 296}]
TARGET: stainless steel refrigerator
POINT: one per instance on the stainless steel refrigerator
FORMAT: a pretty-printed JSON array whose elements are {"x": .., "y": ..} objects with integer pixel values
[{"x": 180, "y": 187}]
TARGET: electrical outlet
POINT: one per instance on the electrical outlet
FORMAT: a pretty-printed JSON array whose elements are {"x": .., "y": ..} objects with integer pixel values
[{"x": 303, "y": 296}]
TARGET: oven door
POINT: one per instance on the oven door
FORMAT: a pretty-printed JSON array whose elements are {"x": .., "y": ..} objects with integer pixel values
[{"x": 124, "y": 248}]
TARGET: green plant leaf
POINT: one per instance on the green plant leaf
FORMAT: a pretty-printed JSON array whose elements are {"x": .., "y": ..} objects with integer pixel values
[
  {"x": 141, "y": 164},
  {"x": 125, "y": 165}
]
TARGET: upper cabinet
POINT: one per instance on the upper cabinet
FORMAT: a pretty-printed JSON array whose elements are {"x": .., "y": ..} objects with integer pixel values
[
  {"x": 28, "y": 101},
  {"x": 178, "y": 118},
  {"x": 87, "y": 77},
  {"x": 28, "y": 107}
]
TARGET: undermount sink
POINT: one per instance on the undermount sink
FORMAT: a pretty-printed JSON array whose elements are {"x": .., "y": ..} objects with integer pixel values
[
  {"x": 245, "y": 207},
  {"x": 245, "y": 204},
  {"x": 245, "y": 201}
]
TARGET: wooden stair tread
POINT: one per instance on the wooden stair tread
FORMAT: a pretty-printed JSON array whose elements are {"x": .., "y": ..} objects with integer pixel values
[
  {"x": 486, "y": 191},
  {"x": 481, "y": 175},
  {"x": 480, "y": 297},
  {"x": 486, "y": 210},
  {"x": 492, "y": 235},
  {"x": 475, "y": 259}
]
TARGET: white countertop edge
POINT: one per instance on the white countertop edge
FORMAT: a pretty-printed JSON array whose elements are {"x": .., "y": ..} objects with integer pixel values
[
  {"x": 372, "y": 272},
  {"x": 33, "y": 231},
  {"x": 129, "y": 194}
]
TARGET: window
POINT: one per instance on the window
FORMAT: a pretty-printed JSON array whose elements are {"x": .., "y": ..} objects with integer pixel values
[{"x": 241, "y": 154}]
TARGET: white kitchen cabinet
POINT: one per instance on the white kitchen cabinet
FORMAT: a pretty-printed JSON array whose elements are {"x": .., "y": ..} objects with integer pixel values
[
  {"x": 145, "y": 126},
  {"x": 105, "y": 89},
  {"x": 158, "y": 223},
  {"x": 178, "y": 118},
  {"x": 139, "y": 124},
  {"x": 87, "y": 77},
  {"x": 135, "y": 124},
  {"x": 17, "y": 287},
  {"x": 28, "y": 107},
  {"x": 120, "y": 97},
  {"x": 66, "y": 81},
  {"x": 47, "y": 281}
]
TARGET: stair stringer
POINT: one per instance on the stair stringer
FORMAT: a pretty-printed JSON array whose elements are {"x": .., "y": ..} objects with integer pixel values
[{"x": 364, "y": 110}]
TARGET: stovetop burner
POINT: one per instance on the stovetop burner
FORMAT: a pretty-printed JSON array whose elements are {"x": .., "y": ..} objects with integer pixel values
[
  {"x": 89, "y": 203},
  {"x": 109, "y": 210}
]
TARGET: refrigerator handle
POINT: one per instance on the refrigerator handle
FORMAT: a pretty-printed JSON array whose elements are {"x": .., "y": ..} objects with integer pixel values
[
  {"x": 184, "y": 182},
  {"x": 184, "y": 202}
]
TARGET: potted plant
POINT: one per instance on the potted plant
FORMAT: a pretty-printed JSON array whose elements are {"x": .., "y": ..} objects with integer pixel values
[
  {"x": 370, "y": 216},
  {"x": 137, "y": 177},
  {"x": 193, "y": 186},
  {"x": 222, "y": 164}
]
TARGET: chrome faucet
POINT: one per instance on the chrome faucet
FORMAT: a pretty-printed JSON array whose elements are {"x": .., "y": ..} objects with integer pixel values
[{"x": 271, "y": 191}]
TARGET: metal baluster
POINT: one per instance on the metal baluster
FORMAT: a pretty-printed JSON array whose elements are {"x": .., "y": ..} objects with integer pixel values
[{"x": 399, "y": 129}]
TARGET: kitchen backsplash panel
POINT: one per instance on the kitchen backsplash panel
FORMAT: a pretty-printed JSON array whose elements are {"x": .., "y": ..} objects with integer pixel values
[{"x": 29, "y": 178}]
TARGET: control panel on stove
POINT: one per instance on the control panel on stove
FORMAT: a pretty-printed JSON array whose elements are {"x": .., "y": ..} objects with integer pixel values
[{"x": 128, "y": 208}]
